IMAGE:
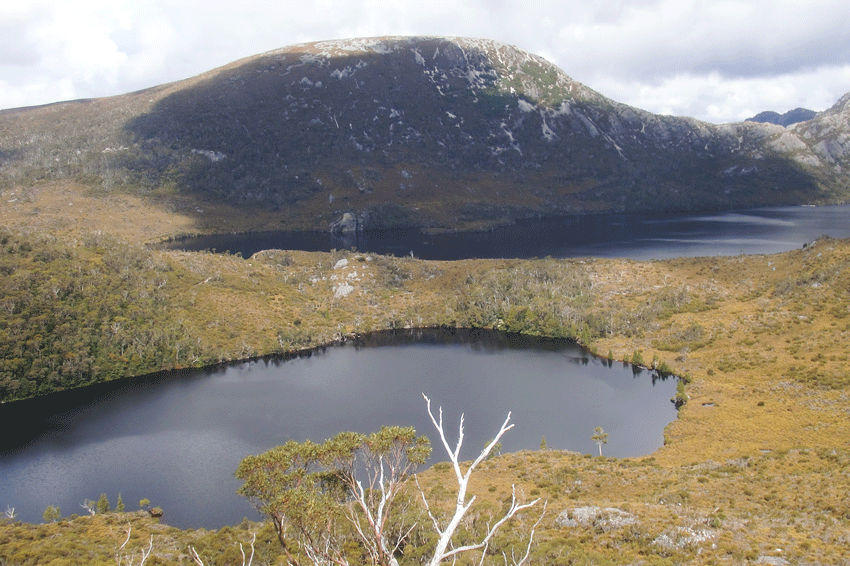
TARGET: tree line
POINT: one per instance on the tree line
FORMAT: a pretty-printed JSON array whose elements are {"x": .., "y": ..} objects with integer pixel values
[
  {"x": 96, "y": 309},
  {"x": 77, "y": 315}
]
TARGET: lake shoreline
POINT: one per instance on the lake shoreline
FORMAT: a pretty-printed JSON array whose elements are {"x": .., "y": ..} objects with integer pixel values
[
  {"x": 626, "y": 235},
  {"x": 115, "y": 431}
]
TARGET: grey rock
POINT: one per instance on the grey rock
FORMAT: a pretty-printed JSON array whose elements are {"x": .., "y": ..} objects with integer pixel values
[
  {"x": 346, "y": 224},
  {"x": 343, "y": 290},
  {"x": 772, "y": 560},
  {"x": 605, "y": 518},
  {"x": 680, "y": 537}
]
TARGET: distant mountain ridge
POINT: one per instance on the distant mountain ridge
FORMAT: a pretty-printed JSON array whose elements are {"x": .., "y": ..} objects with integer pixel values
[
  {"x": 791, "y": 117},
  {"x": 439, "y": 133}
]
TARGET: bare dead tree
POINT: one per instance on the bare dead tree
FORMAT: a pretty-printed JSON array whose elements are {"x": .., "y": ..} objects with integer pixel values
[
  {"x": 387, "y": 459},
  {"x": 246, "y": 560},
  {"x": 242, "y": 550},
  {"x": 528, "y": 546},
  {"x": 444, "y": 549},
  {"x": 120, "y": 556},
  {"x": 314, "y": 489},
  {"x": 90, "y": 506}
]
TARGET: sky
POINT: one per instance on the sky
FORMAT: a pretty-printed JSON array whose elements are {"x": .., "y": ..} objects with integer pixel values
[{"x": 715, "y": 60}]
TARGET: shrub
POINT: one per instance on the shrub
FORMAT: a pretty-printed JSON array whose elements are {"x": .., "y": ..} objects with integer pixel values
[
  {"x": 680, "y": 398},
  {"x": 103, "y": 504},
  {"x": 637, "y": 358}
]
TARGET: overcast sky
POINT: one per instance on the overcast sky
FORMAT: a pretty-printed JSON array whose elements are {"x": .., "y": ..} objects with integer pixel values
[{"x": 716, "y": 60}]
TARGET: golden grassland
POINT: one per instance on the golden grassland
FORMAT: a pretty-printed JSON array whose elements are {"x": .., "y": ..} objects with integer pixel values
[
  {"x": 755, "y": 468},
  {"x": 74, "y": 210}
]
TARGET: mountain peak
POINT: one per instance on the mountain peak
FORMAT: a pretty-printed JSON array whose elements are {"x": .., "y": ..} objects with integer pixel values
[
  {"x": 485, "y": 63},
  {"x": 436, "y": 132},
  {"x": 791, "y": 117}
]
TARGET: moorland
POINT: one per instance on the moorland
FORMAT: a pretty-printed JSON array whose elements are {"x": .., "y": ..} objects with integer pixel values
[{"x": 755, "y": 467}]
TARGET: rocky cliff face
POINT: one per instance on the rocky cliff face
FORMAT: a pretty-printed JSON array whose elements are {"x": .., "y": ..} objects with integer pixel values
[
  {"x": 822, "y": 145},
  {"x": 435, "y": 132}
]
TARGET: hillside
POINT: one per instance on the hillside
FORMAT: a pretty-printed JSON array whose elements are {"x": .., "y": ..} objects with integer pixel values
[
  {"x": 754, "y": 469},
  {"x": 440, "y": 133},
  {"x": 757, "y": 460}
]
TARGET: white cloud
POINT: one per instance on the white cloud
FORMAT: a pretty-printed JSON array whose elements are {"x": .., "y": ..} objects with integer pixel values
[
  {"x": 714, "y": 98},
  {"x": 60, "y": 50},
  {"x": 720, "y": 61}
]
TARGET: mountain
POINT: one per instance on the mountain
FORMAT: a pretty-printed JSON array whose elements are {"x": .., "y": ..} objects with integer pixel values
[
  {"x": 790, "y": 117},
  {"x": 440, "y": 133}
]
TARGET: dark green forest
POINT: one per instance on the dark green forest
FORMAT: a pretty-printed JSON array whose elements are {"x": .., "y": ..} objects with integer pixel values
[{"x": 74, "y": 316}]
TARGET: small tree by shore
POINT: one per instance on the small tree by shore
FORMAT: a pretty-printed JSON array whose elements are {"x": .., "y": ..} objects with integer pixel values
[{"x": 600, "y": 437}]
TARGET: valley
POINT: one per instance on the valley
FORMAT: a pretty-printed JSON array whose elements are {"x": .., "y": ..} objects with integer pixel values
[
  {"x": 755, "y": 467},
  {"x": 760, "y": 339}
]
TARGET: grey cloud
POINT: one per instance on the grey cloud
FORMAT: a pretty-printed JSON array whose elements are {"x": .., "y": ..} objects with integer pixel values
[
  {"x": 647, "y": 40},
  {"x": 630, "y": 50},
  {"x": 16, "y": 44}
]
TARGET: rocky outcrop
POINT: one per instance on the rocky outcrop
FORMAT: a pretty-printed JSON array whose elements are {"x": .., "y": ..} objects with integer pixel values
[
  {"x": 606, "y": 519},
  {"x": 603, "y": 518},
  {"x": 348, "y": 278},
  {"x": 827, "y": 142},
  {"x": 681, "y": 538},
  {"x": 346, "y": 224}
]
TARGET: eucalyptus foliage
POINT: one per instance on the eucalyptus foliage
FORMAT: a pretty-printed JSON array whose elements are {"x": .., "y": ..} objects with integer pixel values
[{"x": 327, "y": 499}]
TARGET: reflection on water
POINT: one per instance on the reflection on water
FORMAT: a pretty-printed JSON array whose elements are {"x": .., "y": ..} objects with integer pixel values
[
  {"x": 177, "y": 440},
  {"x": 632, "y": 236}
]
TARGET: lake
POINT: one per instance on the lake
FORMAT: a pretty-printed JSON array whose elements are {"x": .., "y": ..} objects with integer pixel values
[
  {"x": 631, "y": 236},
  {"x": 177, "y": 439}
]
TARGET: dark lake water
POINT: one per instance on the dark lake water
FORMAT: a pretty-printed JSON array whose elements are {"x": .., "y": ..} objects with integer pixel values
[
  {"x": 632, "y": 236},
  {"x": 177, "y": 439}
]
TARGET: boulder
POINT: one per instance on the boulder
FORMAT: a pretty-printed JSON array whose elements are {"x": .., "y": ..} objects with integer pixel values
[
  {"x": 605, "y": 518},
  {"x": 343, "y": 290},
  {"x": 346, "y": 224}
]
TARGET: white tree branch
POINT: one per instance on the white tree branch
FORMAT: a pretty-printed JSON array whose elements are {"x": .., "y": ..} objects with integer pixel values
[
  {"x": 441, "y": 551},
  {"x": 242, "y": 550},
  {"x": 427, "y": 507},
  {"x": 119, "y": 555},
  {"x": 531, "y": 537},
  {"x": 194, "y": 554},
  {"x": 514, "y": 509},
  {"x": 146, "y": 554}
]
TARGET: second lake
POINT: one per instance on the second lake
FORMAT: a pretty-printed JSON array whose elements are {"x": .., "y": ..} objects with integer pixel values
[{"x": 177, "y": 439}]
